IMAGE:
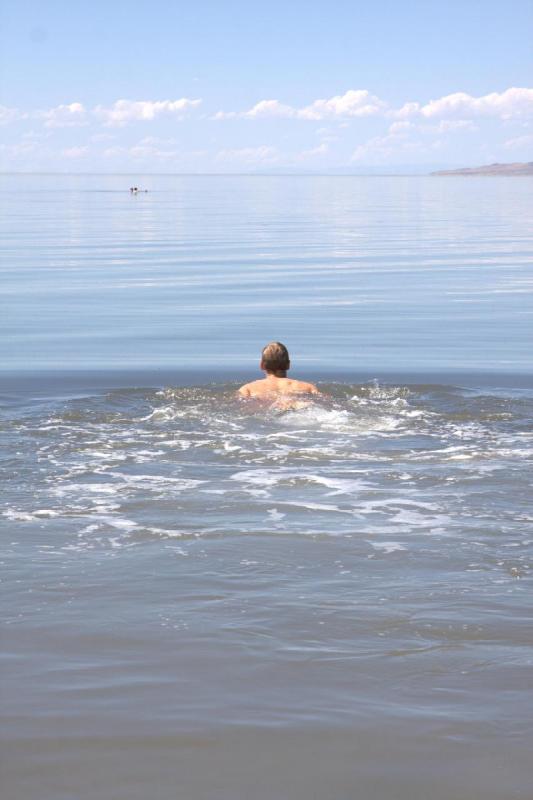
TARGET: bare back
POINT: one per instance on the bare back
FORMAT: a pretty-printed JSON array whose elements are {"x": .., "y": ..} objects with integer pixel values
[{"x": 272, "y": 387}]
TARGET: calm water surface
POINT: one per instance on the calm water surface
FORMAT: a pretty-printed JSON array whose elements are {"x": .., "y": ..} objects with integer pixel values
[
  {"x": 354, "y": 273},
  {"x": 210, "y": 599}
]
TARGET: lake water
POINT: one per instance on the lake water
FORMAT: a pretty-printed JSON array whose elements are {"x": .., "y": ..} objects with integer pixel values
[{"x": 210, "y": 599}]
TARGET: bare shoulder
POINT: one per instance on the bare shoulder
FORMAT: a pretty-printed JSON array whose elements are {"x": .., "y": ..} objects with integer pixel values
[
  {"x": 249, "y": 389},
  {"x": 304, "y": 387}
]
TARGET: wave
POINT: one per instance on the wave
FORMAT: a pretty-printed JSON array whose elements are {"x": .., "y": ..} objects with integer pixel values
[{"x": 134, "y": 465}]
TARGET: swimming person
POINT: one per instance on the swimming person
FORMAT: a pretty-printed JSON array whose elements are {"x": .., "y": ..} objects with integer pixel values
[{"x": 275, "y": 362}]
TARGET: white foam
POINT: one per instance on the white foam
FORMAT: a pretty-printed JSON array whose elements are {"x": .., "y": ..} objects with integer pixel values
[
  {"x": 122, "y": 524},
  {"x": 339, "y": 485},
  {"x": 319, "y": 507},
  {"x": 372, "y": 505},
  {"x": 268, "y": 478},
  {"x": 83, "y": 488},
  {"x": 258, "y": 477},
  {"x": 387, "y": 547},
  {"x": 415, "y": 518},
  {"x": 18, "y": 516}
]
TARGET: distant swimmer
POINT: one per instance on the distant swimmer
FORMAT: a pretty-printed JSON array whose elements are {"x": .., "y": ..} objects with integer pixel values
[{"x": 275, "y": 362}]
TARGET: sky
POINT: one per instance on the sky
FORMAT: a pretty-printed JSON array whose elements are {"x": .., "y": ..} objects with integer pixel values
[{"x": 231, "y": 86}]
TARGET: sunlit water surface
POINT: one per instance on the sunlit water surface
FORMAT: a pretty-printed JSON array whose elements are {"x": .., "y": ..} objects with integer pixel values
[{"x": 213, "y": 599}]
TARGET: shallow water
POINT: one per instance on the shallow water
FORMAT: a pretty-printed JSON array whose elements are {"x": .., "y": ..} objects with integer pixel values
[
  {"x": 214, "y": 594},
  {"x": 212, "y": 599}
]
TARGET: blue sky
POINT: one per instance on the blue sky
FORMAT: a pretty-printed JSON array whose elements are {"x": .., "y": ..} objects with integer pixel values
[{"x": 234, "y": 86}]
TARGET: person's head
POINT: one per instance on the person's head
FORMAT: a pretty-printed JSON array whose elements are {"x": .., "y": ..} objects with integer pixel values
[{"x": 275, "y": 359}]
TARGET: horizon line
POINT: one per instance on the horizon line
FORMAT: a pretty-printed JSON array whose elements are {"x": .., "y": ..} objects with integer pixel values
[{"x": 400, "y": 174}]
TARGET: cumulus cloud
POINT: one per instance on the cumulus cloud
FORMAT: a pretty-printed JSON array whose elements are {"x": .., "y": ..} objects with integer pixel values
[
  {"x": 403, "y": 138},
  {"x": 157, "y": 141},
  {"x": 446, "y": 125},
  {"x": 400, "y": 127},
  {"x": 443, "y": 126},
  {"x": 381, "y": 149},
  {"x": 354, "y": 103},
  {"x": 265, "y": 108},
  {"x": 519, "y": 141},
  {"x": 21, "y": 150},
  {"x": 8, "y": 115},
  {"x": 124, "y": 111},
  {"x": 36, "y": 136},
  {"x": 326, "y": 135},
  {"x": 410, "y": 137},
  {"x": 510, "y": 104},
  {"x": 415, "y": 127},
  {"x": 75, "y": 152},
  {"x": 320, "y": 150},
  {"x": 64, "y": 116}
]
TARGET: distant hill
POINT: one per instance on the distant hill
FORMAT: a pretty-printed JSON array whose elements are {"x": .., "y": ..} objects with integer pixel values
[{"x": 518, "y": 168}]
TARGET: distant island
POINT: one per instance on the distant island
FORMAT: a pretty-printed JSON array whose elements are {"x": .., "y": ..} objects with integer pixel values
[{"x": 518, "y": 168}]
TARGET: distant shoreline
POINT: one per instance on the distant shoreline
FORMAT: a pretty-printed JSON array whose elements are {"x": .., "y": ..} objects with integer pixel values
[{"x": 516, "y": 169}]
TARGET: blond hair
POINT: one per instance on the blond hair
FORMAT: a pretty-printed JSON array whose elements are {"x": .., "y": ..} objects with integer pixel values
[{"x": 275, "y": 357}]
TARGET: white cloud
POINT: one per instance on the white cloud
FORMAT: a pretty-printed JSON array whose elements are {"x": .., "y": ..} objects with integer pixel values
[
  {"x": 75, "y": 152},
  {"x": 409, "y": 109},
  {"x": 20, "y": 150},
  {"x": 513, "y": 103},
  {"x": 416, "y": 128},
  {"x": 140, "y": 152},
  {"x": 36, "y": 136},
  {"x": 410, "y": 137},
  {"x": 156, "y": 141},
  {"x": 225, "y": 115},
  {"x": 265, "y": 108},
  {"x": 404, "y": 126},
  {"x": 385, "y": 149},
  {"x": 64, "y": 116},
  {"x": 250, "y": 155},
  {"x": 270, "y": 108},
  {"x": 447, "y": 125},
  {"x": 510, "y": 104},
  {"x": 354, "y": 103},
  {"x": 143, "y": 151},
  {"x": 112, "y": 152},
  {"x": 320, "y": 150},
  {"x": 327, "y": 135},
  {"x": 124, "y": 111},
  {"x": 400, "y": 127},
  {"x": 8, "y": 115},
  {"x": 397, "y": 142},
  {"x": 519, "y": 141}
]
